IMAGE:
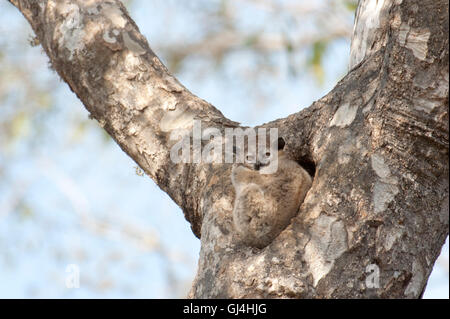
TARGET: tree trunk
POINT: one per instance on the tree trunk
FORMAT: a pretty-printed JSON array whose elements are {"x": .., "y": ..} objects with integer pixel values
[{"x": 376, "y": 216}]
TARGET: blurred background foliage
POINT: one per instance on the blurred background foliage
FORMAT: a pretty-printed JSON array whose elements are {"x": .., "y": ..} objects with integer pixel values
[{"x": 68, "y": 195}]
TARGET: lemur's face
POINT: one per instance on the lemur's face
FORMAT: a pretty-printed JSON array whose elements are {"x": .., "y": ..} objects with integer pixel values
[
  {"x": 256, "y": 161},
  {"x": 256, "y": 158}
]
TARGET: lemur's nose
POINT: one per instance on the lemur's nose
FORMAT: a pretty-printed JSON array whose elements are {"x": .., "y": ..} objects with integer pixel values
[{"x": 257, "y": 166}]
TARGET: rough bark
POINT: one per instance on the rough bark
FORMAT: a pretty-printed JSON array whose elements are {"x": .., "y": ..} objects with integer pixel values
[{"x": 377, "y": 147}]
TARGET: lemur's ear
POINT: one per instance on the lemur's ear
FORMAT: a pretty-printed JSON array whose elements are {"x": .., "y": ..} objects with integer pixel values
[{"x": 281, "y": 143}]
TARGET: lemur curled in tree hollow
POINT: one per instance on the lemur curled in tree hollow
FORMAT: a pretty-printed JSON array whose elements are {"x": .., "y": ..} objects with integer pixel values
[{"x": 265, "y": 203}]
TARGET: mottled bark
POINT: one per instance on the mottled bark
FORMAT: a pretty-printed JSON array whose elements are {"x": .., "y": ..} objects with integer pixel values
[{"x": 376, "y": 216}]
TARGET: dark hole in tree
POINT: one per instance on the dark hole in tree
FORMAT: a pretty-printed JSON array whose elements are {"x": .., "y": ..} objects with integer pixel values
[
  {"x": 304, "y": 161},
  {"x": 308, "y": 165}
]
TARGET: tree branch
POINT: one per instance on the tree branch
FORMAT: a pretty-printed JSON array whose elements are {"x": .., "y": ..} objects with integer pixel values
[{"x": 98, "y": 50}]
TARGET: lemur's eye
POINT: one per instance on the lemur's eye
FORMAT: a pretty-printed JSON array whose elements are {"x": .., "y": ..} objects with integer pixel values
[{"x": 267, "y": 154}]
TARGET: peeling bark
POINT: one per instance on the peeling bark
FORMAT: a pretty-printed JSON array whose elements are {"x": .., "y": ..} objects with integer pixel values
[{"x": 377, "y": 147}]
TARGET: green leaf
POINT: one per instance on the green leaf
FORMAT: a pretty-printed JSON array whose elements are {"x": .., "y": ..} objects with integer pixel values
[
  {"x": 318, "y": 50},
  {"x": 20, "y": 125},
  {"x": 351, "y": 5},
  {"x": 251, "y": 40}
]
